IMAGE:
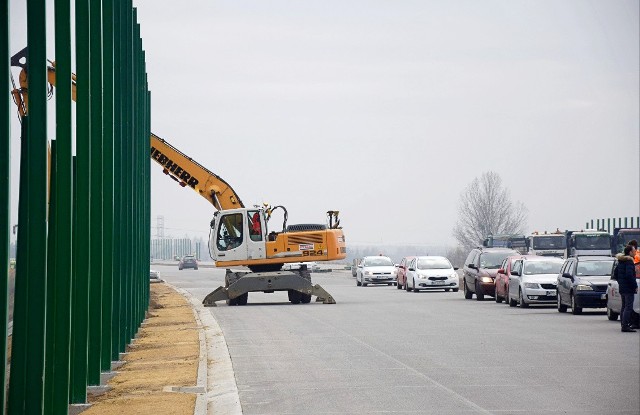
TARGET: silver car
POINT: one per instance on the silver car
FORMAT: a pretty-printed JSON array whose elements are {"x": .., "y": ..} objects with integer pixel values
[
  {"x": 376, "y": 270},
  {"x": 534, "y": 280}
]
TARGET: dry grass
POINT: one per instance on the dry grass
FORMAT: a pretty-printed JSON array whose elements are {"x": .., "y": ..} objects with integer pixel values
[{"x": 164, "y": 354}]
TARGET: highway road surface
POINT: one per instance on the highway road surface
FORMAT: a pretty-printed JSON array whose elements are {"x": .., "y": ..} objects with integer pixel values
[{"x": 381, "y": 350}]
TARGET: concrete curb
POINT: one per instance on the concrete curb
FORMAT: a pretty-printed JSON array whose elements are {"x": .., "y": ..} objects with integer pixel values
[{"x": 215, "y": 371}]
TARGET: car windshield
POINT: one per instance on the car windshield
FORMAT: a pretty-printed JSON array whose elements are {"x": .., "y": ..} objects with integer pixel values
[
  {"x": 593, "y": 242},
  {"x": 433, "y": 263},
  {"x": 377, "y": 262},
  {"x": 591, "y": 268},
  {"x": 549, "y": 242},
  {"x": 542, "y": 267},
  {"x": 493, "y": 260}
]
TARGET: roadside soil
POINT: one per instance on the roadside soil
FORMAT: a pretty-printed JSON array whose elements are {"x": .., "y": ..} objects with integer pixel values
[{"x": 165, "y": 353}]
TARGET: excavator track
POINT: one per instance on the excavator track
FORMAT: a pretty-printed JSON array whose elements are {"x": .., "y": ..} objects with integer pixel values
[{"x": 239, "y": 284}]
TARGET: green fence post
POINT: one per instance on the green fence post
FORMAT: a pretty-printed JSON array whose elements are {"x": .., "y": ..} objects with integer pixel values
[
  {"x": 127, "y": 171},
  {"x": 5, "y": 191},
  {"x": 108, "y": 205},
  {"x": 51, "y": 263},
  {"x": 116, "y": 344},
  {"x": 95, "y": 278},
  {"x": 17, "y": 386},
  {"x": 82, "y": 211},
  {"x": 29, "y": 323},
  {"x": 63, "y": 219}
]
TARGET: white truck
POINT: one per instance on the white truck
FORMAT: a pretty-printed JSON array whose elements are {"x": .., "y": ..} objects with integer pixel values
[
  {"x": 588, "y": 242},
  {"x": 547, "y": 244}
]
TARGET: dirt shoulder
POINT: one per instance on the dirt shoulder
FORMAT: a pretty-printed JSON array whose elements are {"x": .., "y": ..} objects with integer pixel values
[{"x": 165, "y": 354}]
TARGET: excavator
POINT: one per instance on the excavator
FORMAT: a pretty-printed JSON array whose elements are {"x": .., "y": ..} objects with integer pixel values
[{"x": 239, "y": 236}]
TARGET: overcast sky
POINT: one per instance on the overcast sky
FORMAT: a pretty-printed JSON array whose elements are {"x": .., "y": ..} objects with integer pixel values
[{"x": 387, "y": 110}]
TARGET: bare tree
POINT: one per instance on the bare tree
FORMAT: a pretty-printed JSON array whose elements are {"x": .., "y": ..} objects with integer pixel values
[{"x": 486, "y": 208}]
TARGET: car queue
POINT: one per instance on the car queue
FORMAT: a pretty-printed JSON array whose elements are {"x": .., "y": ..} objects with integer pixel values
[{"x": 519, "y": 279}]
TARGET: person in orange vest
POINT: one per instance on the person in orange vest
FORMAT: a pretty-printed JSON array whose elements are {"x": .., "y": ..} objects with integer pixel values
[{"x": 636, "y": 258}]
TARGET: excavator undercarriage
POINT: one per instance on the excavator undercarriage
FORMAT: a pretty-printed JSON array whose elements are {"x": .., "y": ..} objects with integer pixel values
[{"x": 297, "y": 283}]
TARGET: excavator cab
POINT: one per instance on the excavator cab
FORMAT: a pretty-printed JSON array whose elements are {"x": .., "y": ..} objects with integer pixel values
[{"x": 238, "y": 235}]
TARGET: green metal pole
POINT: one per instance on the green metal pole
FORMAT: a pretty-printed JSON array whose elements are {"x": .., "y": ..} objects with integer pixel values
[
  {"x": 51, "y": 263},
  {"x": 17, "y": 386},
  {"x": 5, "y": 191},
  {"x": 95, "y": 278},
  {"x": 108, "y": 205},
  {"x": 128, "y": 156},
  {"x": 30, "y": 325},
  {"x": 63, "y": 219},
  {"x": 116, "y": 348},
  {"x": 82, "y": 230}
]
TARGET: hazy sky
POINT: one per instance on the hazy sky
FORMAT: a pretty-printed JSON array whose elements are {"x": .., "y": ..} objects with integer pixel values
[{"x": 386, "y": 110}]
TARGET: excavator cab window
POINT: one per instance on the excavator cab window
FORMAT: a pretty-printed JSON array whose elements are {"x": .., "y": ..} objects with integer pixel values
[
  {"x": 229, "y": 234},
  {"x": 255, "y": 227}
]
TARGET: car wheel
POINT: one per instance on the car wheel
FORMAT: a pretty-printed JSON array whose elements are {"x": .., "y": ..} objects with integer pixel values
[
  {"x": 479, "y": 293},
  {"x": 455, "y": 290},
  {"x": 390, "y": 284},
  {"x": 467, "y": 293},
  {"x": 575, "y": 310},
  {"x": 358, "y": 283},
  {"x": 523, "y": 304},
  {"x": 612, "y": 315},
  {"x": 196, "y": 268},
  {"x": 561, "y": 307},
  {"x": 415, "y": 289},
  {"x": 512, "y": 302},
  {"x": 406, "y": 286},
  {"x": 497, "y": 297},
  {"x": 364, "y": 284},
  {"x": 446, "y": 290}
]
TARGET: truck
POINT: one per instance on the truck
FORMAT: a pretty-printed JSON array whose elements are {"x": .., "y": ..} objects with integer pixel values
[
  {"x": 547, "y": 244},
  {"x": 621, "y": 238},
  {"x": 239, "y": 236},
  {"x": 587, "y": 242},
  {"x": 512, "y": 241}
]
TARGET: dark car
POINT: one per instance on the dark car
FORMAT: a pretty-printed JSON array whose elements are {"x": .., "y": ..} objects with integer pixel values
[
  {"x": 582, "y": 283},
  {"x": 480, "y": 269},
  {"x": 188, "y": 261}
]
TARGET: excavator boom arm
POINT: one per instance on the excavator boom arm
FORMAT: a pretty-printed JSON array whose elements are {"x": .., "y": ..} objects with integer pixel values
[{"x": 177, "y": 165}]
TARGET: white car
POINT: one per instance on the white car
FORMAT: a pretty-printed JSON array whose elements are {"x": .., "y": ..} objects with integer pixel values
[
  {"x": 376, "y": 270},
  {"x": 534, "y": 280},
  {"x": 614, "y": 301},
  {"x": 431, "y": 273}
]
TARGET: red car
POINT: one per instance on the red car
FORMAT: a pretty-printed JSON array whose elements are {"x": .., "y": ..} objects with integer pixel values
[
  {"x": 502, "y": 278},
  {"x": 401, "y": 275}
]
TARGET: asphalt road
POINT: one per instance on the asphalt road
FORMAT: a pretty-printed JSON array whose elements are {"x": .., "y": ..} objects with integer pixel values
[{"x": 383, "y": 350}]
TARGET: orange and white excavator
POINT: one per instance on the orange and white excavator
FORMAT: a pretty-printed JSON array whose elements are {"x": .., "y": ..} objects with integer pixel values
[{"x": 239, "y": 236}]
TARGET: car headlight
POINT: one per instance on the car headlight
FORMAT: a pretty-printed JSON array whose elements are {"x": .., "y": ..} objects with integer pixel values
[
  {"x": 454, "y": 276},
  {"x": 422, "y": 277},
  {"x": 583, "y": 287},
  {"x": 531, "y": 285},
  {"x": 367, "y": 273},
  {"x": 487, "y": 279}
]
